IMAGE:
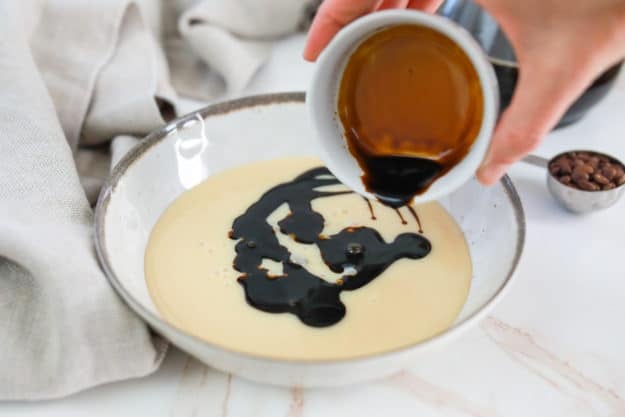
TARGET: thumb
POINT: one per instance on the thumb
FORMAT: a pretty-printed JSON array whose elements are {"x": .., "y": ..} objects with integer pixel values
[
  {"x": 331, "y": 16},
  {"x": 541, "y": 97}
]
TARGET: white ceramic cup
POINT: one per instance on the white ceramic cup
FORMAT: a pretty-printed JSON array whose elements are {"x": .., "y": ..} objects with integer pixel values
[{"x": 322, "y": 98}]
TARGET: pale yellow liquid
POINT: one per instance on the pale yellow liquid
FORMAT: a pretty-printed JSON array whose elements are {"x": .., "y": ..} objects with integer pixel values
[{"x": 188, "y": 269}]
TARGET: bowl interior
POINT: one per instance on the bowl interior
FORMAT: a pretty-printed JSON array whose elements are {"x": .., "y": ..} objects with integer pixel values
[{"x": 187, "y": 151}]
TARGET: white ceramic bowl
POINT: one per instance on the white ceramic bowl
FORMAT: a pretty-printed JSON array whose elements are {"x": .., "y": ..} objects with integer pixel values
[
  {"x": 322, "y": 99},
  {"x": 188, "y": 150}
]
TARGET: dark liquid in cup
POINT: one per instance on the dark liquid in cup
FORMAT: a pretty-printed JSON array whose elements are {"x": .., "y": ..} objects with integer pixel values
[{"x": 411, "y": 105}]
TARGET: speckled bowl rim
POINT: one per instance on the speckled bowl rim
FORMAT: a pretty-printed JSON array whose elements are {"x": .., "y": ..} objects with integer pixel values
[{"x": 158, "y": 135}]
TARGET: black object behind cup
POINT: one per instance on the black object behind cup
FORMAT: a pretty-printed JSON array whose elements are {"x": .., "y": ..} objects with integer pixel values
[{"x": 488, "y": 33}]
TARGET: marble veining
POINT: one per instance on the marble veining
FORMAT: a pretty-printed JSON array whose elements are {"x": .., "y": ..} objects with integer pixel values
[
  {"x": 224, "y": 404},
  {"x": 439, "y": 397},
  {"x": 296, "y": 407},
  {"x": 522, "y": 347},
  {"x": 203, "y": 391}
]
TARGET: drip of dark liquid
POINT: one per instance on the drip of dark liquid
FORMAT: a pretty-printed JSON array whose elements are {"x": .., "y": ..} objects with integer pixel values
[
  {"x": 370, "y": 209},
  {"x": 416, "y": 217},
  {"x": 359, "y": 250},
  {"x": 401, "y": 217}
]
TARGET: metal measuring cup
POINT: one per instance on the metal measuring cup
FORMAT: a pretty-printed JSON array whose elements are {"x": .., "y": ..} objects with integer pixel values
[{"x": 573, "y": 199}]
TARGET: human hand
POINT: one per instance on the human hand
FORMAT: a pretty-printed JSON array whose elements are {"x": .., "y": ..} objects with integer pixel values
[{"x": 561, "y": 47}]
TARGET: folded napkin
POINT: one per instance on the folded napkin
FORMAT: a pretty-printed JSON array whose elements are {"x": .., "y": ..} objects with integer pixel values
[{"x": 80, "y": 79}]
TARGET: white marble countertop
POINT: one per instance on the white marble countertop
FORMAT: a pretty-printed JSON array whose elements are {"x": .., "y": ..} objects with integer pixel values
[{"x": 554, "y": 347}]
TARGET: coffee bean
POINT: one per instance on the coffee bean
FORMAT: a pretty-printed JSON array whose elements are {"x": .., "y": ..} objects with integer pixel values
[
  {"x": 583, "y": 156},
  {"x": 587, "y": 168},
  {"x": 587, "y": 185},
  {"x": 620, "y": 180},
  {"x": 579, "y": 174},
  {"x": 600, "y": 179},
  {"x": 578, "y": 163},
  {"x": 565, "y": 167},
  {"x": 608, "y": 186},
  {"x": 609, "y": 172},
  {"x": 555, "y": 169},
  {"x": 594, "y": 162},
  {"x": 566, "y": 180}
]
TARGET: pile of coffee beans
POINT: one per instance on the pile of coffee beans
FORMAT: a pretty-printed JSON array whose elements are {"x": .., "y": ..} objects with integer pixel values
[{"x": 588, "y": 171}]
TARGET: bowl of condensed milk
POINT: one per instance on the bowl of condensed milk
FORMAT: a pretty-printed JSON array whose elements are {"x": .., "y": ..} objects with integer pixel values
[
  {"x": 403, "y": 105},
  {"x": 224, "y": 231}
]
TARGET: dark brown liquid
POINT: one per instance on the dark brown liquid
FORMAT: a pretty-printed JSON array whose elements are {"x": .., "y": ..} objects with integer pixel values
[
  {"x": 371, "y": 212},
  {"x": 416, "y": 217},
  {"x": 411, "y": 106},
  {"x": 401, "y": 217},
  {"x": 315, "y": 301}
]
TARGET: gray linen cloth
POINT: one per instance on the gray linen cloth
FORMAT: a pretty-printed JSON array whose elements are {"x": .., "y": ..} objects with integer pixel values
[{"x": 74, "y": 76}]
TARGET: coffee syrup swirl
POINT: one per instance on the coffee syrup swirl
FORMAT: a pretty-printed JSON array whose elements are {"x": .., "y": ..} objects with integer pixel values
[{"x": 360, "y": 253}]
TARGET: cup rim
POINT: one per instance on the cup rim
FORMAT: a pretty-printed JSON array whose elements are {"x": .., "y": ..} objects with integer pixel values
[{"x": 320, "y": 93}]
